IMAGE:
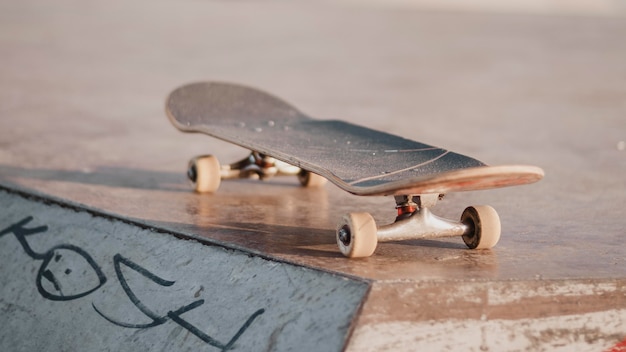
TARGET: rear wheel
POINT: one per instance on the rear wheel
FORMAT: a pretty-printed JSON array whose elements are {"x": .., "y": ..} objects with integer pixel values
[
  {"x": 309, "y": 179},
  {"x": 204, "y": 172}
]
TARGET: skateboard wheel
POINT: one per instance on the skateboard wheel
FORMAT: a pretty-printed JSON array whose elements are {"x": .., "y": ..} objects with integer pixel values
[
  {"x": 204, "y": 172},
  {"x": 357, "y": 235},
  {"x": 483, "y": 225},
  {"x": 309, "y": 179}
]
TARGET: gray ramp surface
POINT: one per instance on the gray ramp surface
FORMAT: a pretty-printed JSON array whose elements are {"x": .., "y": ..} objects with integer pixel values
[{"x": 77, "y": 281}]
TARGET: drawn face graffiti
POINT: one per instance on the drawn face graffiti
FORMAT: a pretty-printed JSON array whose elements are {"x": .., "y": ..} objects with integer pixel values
[
  {"x": 54, "y": 279},
  {"x": 68, "y": 272}
]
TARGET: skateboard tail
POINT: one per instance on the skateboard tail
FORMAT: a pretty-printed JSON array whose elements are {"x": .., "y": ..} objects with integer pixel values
[{"x": 196, "y": 103}]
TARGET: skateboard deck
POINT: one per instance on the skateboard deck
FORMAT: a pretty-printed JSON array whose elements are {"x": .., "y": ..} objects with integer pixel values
[{"x": 357, "y": 159}]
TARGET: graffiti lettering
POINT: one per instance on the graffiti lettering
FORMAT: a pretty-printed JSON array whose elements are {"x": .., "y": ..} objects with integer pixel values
[{"x": 55, "y": 282}]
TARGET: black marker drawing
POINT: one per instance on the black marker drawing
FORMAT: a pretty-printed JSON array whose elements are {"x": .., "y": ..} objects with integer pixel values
[
  {"x": 175, "y": 315},
  {"x": 53, "y": 284},
  {"x": 55, "y": 290}
]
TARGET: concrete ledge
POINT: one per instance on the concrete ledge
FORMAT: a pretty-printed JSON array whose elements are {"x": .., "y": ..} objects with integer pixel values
[{"x": 77, "y": 281}]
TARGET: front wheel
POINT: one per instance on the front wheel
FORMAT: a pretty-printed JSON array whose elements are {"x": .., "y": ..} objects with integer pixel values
[
  {"x": 483, "y": 227},
  {"x": 357, "y": 235}
]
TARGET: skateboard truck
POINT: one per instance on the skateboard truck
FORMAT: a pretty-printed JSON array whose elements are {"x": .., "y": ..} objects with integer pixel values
[
  {"x": 206, "y": 173},
  {"x": 358, "y": 235}
]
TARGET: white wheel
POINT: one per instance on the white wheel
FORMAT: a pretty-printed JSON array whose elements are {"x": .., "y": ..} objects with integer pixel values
[
  {"x": 309, "y": 179},
  {"x": 204, "y": 172},
  {"x": 483, "y": 225},
  {"x": 356, "y": 235}
]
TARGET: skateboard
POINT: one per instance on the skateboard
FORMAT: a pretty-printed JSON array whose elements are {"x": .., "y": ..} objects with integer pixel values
[{"x": 357, "y": 159}]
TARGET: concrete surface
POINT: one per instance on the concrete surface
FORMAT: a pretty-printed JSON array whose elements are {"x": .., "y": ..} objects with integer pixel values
[
  {"x": 68, "y": 273},
  {"x": 82, "y": 90}
]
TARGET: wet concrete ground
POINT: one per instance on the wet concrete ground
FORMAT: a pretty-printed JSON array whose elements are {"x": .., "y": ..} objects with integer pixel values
[{"x": 82, "y": 117}]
